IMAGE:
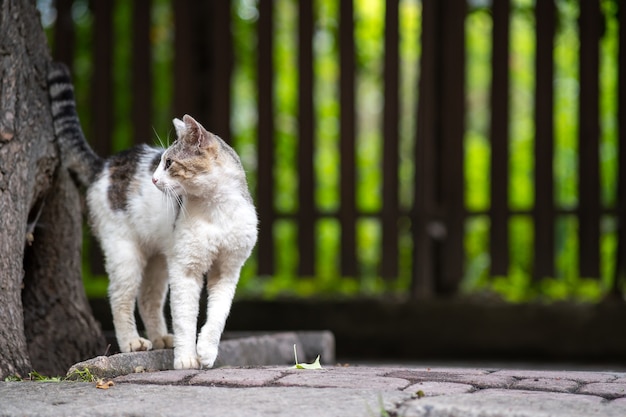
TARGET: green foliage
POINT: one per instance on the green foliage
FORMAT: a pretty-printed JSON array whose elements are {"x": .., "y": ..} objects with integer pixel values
[
  {"x": 369, "y": 15},
  {"x": 83, "y": 375}
]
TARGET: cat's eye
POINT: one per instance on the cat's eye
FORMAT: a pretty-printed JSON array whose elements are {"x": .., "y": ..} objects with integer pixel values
[{"x": 168, "y": 163}]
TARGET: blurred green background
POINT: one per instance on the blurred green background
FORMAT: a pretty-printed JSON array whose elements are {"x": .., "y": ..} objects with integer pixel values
[{"x": 369, "y": 29}]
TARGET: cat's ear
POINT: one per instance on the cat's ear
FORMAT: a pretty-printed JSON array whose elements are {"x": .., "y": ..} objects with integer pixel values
[
  {"x": 180, "y": 127},
  {"x": 197, "y": 134}
]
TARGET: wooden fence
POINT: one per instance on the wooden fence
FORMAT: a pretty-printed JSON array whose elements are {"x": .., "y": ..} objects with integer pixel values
[{"x": 203, "y": 65}]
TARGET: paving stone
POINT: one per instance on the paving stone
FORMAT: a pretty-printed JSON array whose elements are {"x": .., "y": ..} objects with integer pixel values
[
  {"x": 173, "y": 377},
  {"x": 620, "y": 380},
  {"x": 338, "y": 379},
  {"x": 240, "y": 377},
  {"x": 357, "y": 371},
  {"x": 583, "y": 377},
  {"x": 449, "y": 370},
  {"x": 498, "y": 402},
  {"x": 605, "y": 389},
  {"x": 477, "y": 380},
  {"x": 546, "y": 384},
  {"x": 432, "y": 389}
]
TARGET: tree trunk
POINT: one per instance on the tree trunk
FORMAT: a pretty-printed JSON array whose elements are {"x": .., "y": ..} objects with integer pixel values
[{"x": 45, "y": 320}]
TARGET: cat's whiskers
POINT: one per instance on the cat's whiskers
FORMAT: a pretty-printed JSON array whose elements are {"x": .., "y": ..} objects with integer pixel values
[
  {"x": 160, "y": 141},
  {"x": 173, "y": 198}
]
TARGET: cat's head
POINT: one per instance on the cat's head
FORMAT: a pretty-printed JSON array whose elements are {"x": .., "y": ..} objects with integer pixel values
[{"x": 196, "y": 162}]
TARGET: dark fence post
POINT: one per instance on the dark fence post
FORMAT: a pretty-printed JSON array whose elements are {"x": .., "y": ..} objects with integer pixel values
[
  {"x": 141, "y": 110},
  {"x": 438, "y": 236},
  {"x": 588, "y": 145},
  {"x": 620, "y": 266},
  {"x": 422, "y": 284},
  {"x": 101, "y": 100},
  {"x": 390, "y": 209},
  {"x": 64, "y": 33},
  {"x": 499, "y": 135},
  {"x": 347, "y": 211},
  {"x": 544, "y": 212},
  {"x": 452, "y": 134},
  {"x": 102, "y": 78},
  {"x": 183, "y": 58},
  {"x": 219, "y": 68},
  {"x": 306, "y": 128},
  {"x": 265, "y": 140}
]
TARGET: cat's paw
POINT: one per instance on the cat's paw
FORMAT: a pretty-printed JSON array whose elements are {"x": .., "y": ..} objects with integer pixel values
[
  {"x": 186, "y": 362},
  {"x": 207, "y": 353},
  {"x": 136, "y": 345},
  {"x": 163, "y": 342}
]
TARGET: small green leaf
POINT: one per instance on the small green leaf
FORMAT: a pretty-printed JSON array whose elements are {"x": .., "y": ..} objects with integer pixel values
[{"x": 314, "y": 365}]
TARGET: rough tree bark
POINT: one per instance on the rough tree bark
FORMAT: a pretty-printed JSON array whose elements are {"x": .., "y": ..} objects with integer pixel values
[{"x": 45, "y": 320}]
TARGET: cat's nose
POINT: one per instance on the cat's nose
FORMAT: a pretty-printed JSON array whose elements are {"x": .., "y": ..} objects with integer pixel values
[{"x": 154, "y": 180}]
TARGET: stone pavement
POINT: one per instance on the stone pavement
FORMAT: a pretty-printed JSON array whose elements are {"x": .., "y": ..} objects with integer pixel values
[{"x": 332, "y": 391}]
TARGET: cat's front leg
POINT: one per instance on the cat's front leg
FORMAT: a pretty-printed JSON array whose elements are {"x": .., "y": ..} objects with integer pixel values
[
  {"x": 184, "y": 300},
  {"x": 221, "y": 284}
]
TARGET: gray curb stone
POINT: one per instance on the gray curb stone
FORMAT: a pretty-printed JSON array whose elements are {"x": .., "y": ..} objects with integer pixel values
[{"x": 252, "y": 350}]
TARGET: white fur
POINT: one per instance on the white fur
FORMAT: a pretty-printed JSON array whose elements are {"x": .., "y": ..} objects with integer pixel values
[{"x": 214, "y": 233}]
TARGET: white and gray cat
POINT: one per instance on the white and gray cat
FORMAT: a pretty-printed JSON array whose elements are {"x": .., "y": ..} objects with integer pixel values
[{"x": 163, "y": 216}]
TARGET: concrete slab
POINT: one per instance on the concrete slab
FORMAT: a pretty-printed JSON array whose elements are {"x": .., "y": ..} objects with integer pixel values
[
  {"x": 336, "y": 391},
  {"x": 83, "y": 400}
]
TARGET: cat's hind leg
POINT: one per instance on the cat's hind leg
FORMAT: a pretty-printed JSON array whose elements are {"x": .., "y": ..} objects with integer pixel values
[
  {"x": 125, "y": 265},
  {"x": 222, "y": 283},
  {"x": 151, "y": 300}
]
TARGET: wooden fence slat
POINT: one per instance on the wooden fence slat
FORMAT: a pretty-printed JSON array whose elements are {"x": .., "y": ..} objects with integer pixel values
[
  {"x": 220, "y": 65},
  {"x": 544, "y": 210},
  {"x": 184, "y": 58},
  {"x": 141, "y": 73},
  {"x": 499, "y": 135},
  {"x": 64, "y": 33},
  {"x": 452, "y": 134},
  {"x": 390, "y": 209},
  {"x": 620, "y": 267},
  {"x": 265, "y": 140},
  {"x": 102, "y": 81},
  {"x": 588, "y": 135},
  {"x": 422, "y": 284},
  {"x": 101, "y": 100},
  {"x": 306, "y": 186},
  {"x": 347, "y": 211}
]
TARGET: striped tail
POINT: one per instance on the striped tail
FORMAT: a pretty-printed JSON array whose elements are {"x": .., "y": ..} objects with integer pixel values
[{"x": 76, "y": 154}]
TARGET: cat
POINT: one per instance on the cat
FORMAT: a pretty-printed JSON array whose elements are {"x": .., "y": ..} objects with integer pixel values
[{"x": 163, "y": 217}]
